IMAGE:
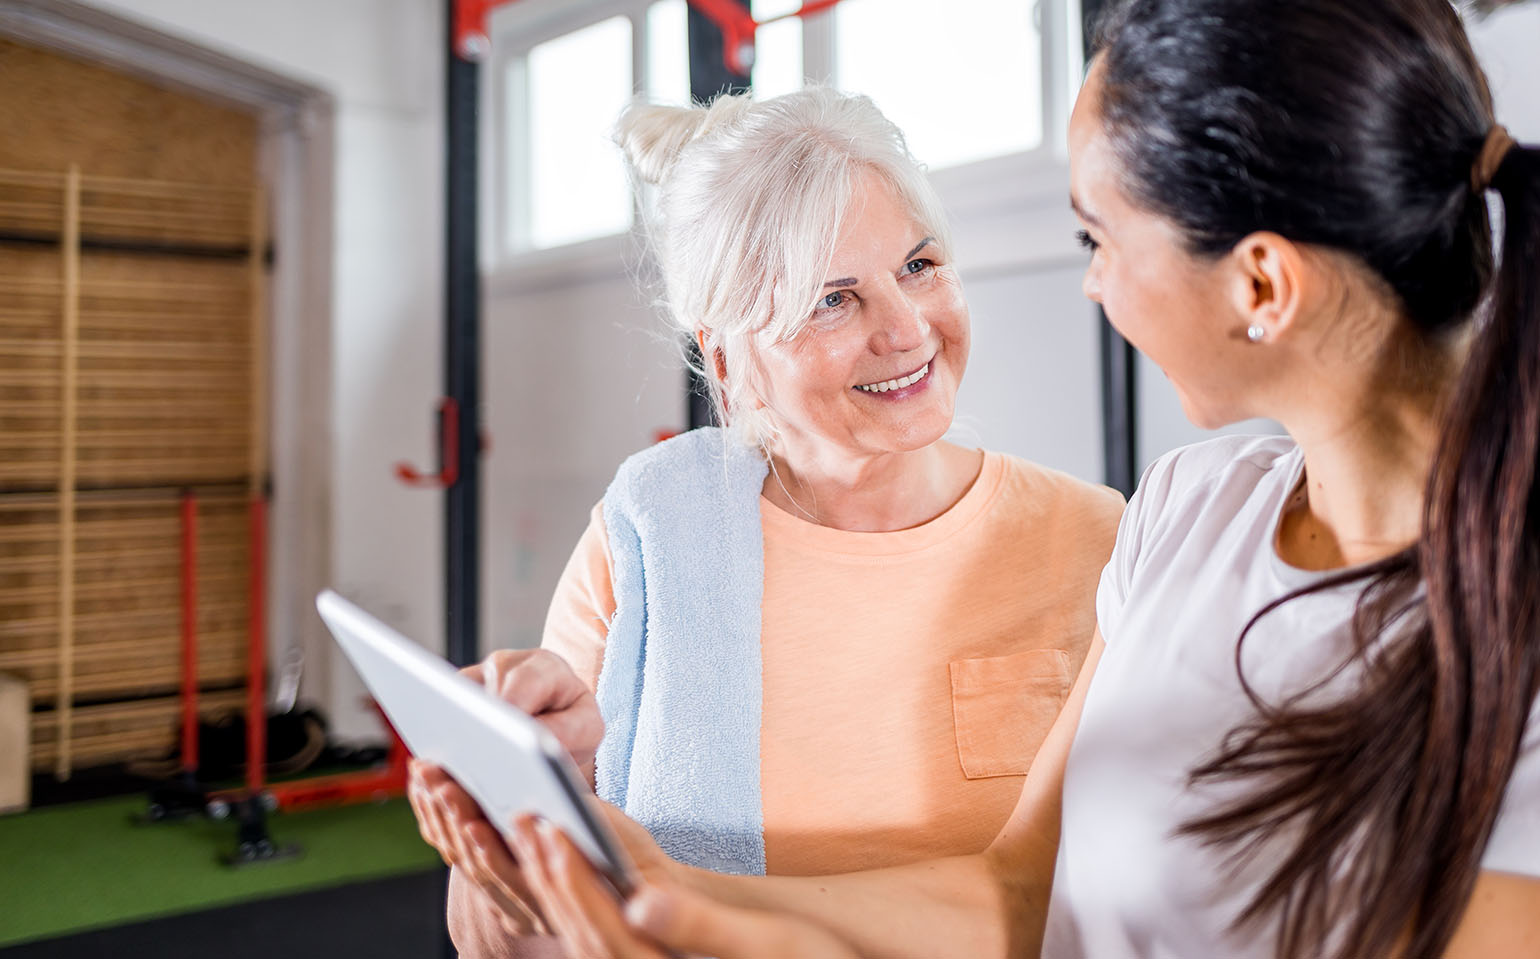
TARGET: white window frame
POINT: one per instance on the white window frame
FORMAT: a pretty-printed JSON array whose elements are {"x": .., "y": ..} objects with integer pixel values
[
  {"x": 1026, "y": 187},
  {"x": 515, "y": 30}
]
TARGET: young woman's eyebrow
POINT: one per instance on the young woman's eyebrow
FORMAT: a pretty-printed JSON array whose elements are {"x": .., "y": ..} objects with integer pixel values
[{"x": 1081, "y": 212}]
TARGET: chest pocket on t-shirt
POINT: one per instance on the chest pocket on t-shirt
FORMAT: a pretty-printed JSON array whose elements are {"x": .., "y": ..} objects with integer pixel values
[{"x": 1003, "y": 707}]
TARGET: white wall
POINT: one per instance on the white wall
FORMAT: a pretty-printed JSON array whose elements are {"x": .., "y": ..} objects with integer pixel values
[
  {"x": 1032, "y": 386},
  {"x": 578, "y": 375},
  {"x": 1507, "y": 42},
  {"x": 381, "y": 61}
]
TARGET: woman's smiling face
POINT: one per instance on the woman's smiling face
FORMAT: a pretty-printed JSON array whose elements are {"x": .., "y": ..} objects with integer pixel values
[{"x": 876, "y": 368}]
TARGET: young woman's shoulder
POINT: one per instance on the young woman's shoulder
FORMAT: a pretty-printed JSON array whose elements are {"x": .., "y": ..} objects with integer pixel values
[
  {"x": 1204, "y": 486},
  {"x": 1224, "y": 472},
  {"x": 1215, "y": 460}
]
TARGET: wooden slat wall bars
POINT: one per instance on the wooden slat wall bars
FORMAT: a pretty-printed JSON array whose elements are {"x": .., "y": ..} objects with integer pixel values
[{"x": 130, "y": 372}]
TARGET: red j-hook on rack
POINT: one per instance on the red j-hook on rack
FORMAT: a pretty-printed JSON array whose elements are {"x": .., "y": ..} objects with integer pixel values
[
  {"x": 449, "y": 452},
  {"x": 738, "y": 27}
]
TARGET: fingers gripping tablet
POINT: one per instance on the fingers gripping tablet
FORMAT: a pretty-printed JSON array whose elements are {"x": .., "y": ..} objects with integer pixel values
[{"x": 505, "y": 759}]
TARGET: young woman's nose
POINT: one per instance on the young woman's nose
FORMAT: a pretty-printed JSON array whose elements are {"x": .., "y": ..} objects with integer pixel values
[{"x": 1091, "y": 283}]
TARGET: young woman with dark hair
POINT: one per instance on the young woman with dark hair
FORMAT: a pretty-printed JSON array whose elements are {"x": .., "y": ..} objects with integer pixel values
[{"x": 1307, "y": 726}]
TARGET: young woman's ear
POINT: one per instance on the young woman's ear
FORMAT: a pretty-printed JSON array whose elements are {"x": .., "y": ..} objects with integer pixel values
[{"x": 1266, "y": 287}]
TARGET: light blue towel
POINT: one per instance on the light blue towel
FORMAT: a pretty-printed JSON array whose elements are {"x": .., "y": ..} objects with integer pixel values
[{"x": 680, "y": 687}]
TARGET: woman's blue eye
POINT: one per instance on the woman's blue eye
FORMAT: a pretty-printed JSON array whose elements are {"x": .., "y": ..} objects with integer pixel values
[
  {"x": 918, "y": 266},
  {"x": 1084, "y": 238},
  {"x": 832, "y": 300}
]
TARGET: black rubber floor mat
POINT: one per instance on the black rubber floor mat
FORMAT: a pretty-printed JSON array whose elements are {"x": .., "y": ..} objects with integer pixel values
[{"x": 397, "y": 918}]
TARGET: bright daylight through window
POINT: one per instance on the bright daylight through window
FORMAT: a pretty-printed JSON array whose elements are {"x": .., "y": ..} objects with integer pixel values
[
  {"x": 577, "y": 86},
  {"x": 964, "y": 80}
]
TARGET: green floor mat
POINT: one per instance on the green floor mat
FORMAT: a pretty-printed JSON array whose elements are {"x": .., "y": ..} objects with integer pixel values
[{"x": 69, "y": 868}]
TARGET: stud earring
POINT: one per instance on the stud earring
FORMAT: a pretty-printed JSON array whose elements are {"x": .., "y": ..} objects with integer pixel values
[{"x": 1256, "y": 332}]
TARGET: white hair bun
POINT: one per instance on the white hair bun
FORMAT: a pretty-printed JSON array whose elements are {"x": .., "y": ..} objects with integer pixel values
[{"x": 653, "y": 136}]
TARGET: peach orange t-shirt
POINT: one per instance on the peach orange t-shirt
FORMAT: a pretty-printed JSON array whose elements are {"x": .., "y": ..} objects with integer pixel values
[{"x": 910, "y": 676}]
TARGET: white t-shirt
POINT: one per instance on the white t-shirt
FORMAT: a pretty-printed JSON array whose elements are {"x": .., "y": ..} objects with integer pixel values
[{"x": 1194, "y": 561}]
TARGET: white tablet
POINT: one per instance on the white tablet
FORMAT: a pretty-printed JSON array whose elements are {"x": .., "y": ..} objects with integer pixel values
[{"x": 505, "y": 759}]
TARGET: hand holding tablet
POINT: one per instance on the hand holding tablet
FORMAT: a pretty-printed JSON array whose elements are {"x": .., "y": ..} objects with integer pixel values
[{"x": 504, "y": 759}]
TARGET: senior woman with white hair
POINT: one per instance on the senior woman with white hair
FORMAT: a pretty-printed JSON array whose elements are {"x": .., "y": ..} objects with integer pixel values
[{"x": 823, "y": 637}]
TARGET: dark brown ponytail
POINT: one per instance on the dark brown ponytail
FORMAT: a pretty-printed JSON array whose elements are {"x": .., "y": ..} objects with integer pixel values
[
  {"x": 1355, "y": 126},
  {"x": 1480, "y": 556}
]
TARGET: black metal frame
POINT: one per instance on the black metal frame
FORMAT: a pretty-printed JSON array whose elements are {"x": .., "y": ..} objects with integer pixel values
[
  {"x": 462, "y": 354},
  {"x": 709, "y": 75},
  {"x": 709, "y": 79},
  {"x": 462, "y": 361}
]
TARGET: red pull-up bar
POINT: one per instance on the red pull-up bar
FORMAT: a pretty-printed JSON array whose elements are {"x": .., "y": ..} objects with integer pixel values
[{"x": 738, "y": 27}]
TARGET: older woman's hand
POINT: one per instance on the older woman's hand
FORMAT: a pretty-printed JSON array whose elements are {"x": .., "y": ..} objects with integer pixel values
[
  {"x": 662, "y": 919},
  {"x": 542, "y": 684}
]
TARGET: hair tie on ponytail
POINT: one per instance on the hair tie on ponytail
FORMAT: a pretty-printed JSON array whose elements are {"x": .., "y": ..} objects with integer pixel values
[{"x": 1493, "y": 152}]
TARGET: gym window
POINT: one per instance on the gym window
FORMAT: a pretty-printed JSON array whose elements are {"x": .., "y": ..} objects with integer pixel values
[
  {"x": 982, "y": 86},
  {"x": 963, "y": 86},
  {"x": 568, "y": 183}
]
